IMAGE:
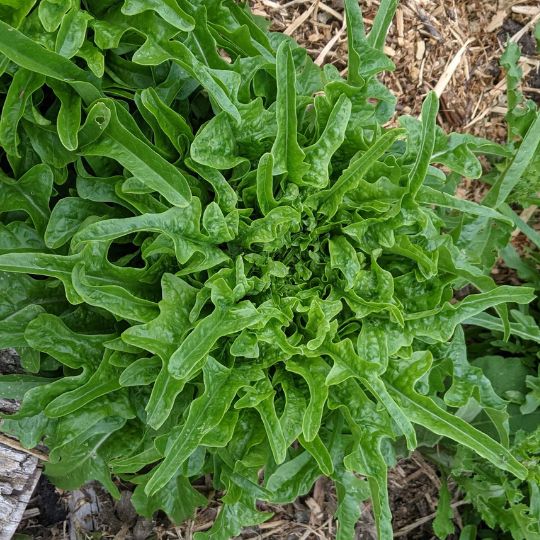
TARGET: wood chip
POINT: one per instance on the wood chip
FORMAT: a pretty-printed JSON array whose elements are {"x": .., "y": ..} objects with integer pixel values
[
  {"x": 316, "y": 511},
  {"x": 525, "y": 10},
  {"x": 497, "y": 21},
  {"x": 420, "y": 49},
  {"x": 451, "y": 69},
  {"x": 427, "y": 20},
  {"x": 421, "y": 73},
  {"x": 399, "y": 23},
  {"x": 389, "y": 51},
  {"x": 270, "y": 4}
]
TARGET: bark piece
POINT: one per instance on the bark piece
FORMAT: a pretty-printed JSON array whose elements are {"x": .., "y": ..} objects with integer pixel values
[{"x": 19, "y": 474}]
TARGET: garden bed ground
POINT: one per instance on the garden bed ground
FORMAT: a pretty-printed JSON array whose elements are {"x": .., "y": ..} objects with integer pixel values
[
  {"x": 450, "y": 44},
  {"x": 413, "y": 486}
]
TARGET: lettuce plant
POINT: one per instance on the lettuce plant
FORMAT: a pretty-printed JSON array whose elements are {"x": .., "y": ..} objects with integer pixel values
[
  {"x": 216, "y": 259},
  {"x": 505, "y": 505}
]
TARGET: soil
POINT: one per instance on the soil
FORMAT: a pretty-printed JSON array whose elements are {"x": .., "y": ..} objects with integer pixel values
[
  {"x": 48, "y": 502},
  {"x": 413, "y": 488}
]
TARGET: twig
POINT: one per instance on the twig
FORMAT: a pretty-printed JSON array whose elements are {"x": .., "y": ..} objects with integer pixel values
[
  {"x": 428, "y": 471},
  {"x": 477, "y": 106},
  {"x": 122, "y": 534},
  {"x": 291, "y": 3},
  {"x": 16, "y": 445},
  {"x": 527, "y": 214},
  {"x": 31, "y": 513},
  {"x": 330, "y": 45},
  {"x": 289, "y": 31},
  {"x": 203, "y": 526},
  {"x": 336, "y": 14},
  {"x": 272, "y": 524},
  {"x": 270, "y": 4},
  {"x": 525, "y": 10},
  {"x": 494, "y": 94},
  {"x": 481, "y": 116},
  {"x": 329, "y": 525},
  {"x": 425, "y": 519},
  {"x": 311, "y": 530},
  {"x": 268, "y": 534},
  {"x": 400, "y": 26},
  {"x": 516, "y": 37},
  {"x": 451, "y": 69}
]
